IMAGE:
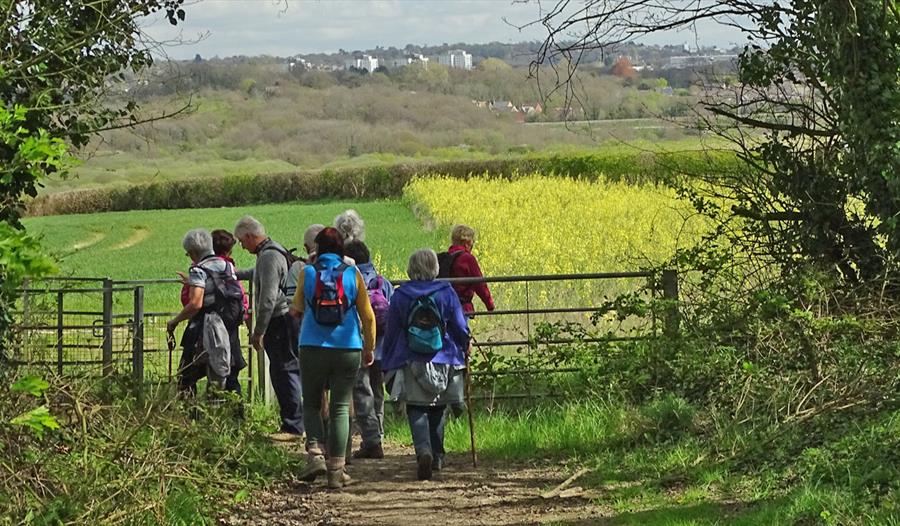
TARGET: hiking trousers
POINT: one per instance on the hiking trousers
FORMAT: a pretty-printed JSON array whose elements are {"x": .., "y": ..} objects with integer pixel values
[
  {"x": 426, "y": 422},
  {"x": 336, "y": 368},
  {"x": 368, "y": 401},
  {"x": 280, "y": 342}
]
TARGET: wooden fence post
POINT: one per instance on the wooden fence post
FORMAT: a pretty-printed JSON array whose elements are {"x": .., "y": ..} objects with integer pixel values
[
  {"x": 107, "y": 326},
  {"x": 670, "y": 293},
  {"x": 264, "y": 383},
  {"x": 137, "y": 339}
]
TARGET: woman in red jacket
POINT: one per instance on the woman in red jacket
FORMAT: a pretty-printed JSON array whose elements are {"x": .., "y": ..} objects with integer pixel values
[{"x": 464, "y": 265}]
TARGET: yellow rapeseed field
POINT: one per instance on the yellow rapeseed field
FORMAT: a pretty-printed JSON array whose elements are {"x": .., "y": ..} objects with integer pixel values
[
  {"x": 554, "y": 225},
  {"x": 550, "y": 225}
]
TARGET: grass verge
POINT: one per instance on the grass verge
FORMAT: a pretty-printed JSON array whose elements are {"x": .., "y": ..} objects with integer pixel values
[
  {"x": 80, "y": 452},
  {"x": 665, "y": 463}
]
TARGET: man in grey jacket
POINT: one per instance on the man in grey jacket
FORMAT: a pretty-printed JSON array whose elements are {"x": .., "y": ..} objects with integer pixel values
[{"x": 274, "y": 329}]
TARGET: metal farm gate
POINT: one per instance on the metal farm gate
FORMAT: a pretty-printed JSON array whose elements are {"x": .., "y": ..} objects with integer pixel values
[
  {"x": 97, "y": 326},
  {"x": 100, "y": 326}
]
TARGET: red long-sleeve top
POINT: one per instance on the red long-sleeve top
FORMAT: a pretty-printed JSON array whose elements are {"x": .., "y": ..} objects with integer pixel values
[{"x": 466, "y": 266}]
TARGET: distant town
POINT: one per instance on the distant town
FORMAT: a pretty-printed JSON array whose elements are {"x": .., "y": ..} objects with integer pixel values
[{"x": 641, "y": 57}]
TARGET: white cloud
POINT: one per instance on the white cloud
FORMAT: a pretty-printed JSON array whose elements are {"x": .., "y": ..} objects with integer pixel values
[{"x": 286, "y": 27}]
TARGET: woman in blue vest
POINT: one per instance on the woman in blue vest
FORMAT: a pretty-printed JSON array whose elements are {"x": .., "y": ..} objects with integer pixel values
[
  {"x": 423, "y": 355},
  {"x": 338, "y": 326}
]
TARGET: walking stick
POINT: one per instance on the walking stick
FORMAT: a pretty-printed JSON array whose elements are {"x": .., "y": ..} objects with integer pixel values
[{"x": 468, "y": 395}]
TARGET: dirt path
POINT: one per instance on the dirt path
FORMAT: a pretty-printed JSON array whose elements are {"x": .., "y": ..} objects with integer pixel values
[{"x": 386, "y": 492}]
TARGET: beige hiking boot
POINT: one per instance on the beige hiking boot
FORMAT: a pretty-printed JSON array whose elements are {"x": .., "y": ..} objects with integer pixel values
[
  {"x": 315, "y": 467},
  {"x": 337, "y": 477}
]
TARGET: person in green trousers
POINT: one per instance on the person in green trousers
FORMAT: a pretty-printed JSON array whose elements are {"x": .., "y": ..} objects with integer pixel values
[{"x": 336, "y": 335}]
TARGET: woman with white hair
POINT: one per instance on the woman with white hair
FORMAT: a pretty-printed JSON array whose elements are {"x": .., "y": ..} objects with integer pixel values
[
  {"x": 206, "y": 328},
  {"x": 351, "y": 226},
  {"x": 423, "y": 355}
]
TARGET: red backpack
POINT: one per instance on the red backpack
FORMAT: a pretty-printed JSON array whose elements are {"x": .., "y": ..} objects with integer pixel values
[{"x": 329, "y": 303}]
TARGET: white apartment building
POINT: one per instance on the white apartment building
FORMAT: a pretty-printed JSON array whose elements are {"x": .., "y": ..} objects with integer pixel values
[
  {"x": 366, "y": 62},
  {"x": 410, "y": 59},
  {"x": 456, "y": 58}
]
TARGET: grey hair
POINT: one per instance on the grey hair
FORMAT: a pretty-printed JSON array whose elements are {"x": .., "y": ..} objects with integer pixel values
[
  {"x": 197, "y": 243},
  {"x": 309, "y": 237},
  {"x": 248, "y": 225},
  {"x": 351, "y": 226},
  {"x": 423, "y": 265}
]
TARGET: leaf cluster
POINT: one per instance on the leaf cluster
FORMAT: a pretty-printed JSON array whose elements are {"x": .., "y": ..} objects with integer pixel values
[{"x": 57, "y": 59}]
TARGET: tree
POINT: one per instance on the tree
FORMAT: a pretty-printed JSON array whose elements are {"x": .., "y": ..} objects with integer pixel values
[
  {"x": 493, "y": 65},
  {"x": 430, "y": 77},
  {"x": 58, "y": 60},
  {"x": 623, "y": 68},
  {"x": 815, "y": 117}
]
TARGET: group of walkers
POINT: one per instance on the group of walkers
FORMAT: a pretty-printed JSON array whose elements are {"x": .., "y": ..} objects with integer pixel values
[{"x": 335, "y": 330}]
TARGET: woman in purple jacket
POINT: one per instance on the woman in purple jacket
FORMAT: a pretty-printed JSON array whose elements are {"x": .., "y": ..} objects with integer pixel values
[{"x": 423, "y": 356}]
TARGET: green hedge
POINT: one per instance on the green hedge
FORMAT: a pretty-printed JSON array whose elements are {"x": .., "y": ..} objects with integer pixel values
[{"x": 372, "y": 182}]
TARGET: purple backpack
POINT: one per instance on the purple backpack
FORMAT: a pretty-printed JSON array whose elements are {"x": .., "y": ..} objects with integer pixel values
[{"x": 379, "y": 303}]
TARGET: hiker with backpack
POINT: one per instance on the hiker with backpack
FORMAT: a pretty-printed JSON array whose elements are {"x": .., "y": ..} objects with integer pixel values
[
  {"x": 274, "y": 329},
  {"x": 424, "y": 356},
  {"x": 368, "y": 393},
  {"x": 459, "y": 262},
  {"x": 223, "y": 244},
  {"x": 336, "y": 335},
  {"x": 309, "y": 240},
  {"x": 215, "y": 309}
]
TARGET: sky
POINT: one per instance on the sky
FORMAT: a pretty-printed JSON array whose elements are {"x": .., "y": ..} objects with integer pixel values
[{"x": 289, "y": 27}]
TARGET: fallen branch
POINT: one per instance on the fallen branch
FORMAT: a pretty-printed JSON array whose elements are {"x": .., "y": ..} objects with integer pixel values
[{"x": 565, "y": 484}]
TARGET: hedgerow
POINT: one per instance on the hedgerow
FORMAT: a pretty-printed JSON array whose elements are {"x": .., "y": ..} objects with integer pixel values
[{"x": 373, "y": 182}]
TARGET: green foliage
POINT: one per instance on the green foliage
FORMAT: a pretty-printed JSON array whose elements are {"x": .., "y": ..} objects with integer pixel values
[
  {"x": 667, "y": 417},
  {"x": 31, "y": 154},
  {"x": 822, "y": 143},
  {"x": 646, "y": 475},
  {"x": 33, "y": 385},
  {"x": 374, "y": 182},
  {"x": 38, "y": 420},
  {"x": 20, "y": 256},
  {"x": 59, "y": 57},
  {"x": 93, "y": 454}
]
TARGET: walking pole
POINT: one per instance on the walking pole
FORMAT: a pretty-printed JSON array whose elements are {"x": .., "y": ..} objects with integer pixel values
[{"x": 468, "y": 395}]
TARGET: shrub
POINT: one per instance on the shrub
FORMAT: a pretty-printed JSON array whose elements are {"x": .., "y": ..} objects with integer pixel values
[
  {"x": 370, "y": 182},
  {"x": 666, "y": 417}
]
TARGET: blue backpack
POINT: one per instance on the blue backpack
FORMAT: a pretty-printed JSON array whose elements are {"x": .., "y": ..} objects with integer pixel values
[{"x": 425, "y": 326}]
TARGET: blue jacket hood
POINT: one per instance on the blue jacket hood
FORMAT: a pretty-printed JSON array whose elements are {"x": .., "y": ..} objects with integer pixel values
[{"x": 414, "y": 289}]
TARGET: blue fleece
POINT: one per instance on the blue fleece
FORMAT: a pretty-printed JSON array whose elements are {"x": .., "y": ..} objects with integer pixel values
[
  {"x": 344, "y": 336},
  {"x": 395, "y": 352}
]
